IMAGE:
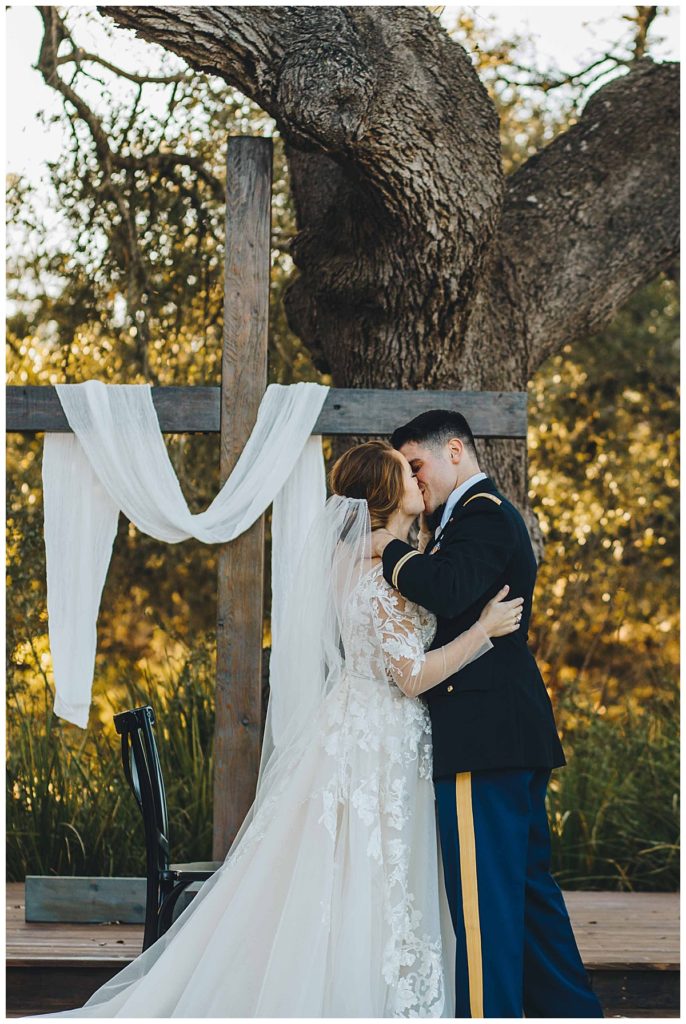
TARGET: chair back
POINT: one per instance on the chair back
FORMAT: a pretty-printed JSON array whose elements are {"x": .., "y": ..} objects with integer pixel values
[
  {"x": 141, "y": 763},
  {"x": 165, "y": 882}
]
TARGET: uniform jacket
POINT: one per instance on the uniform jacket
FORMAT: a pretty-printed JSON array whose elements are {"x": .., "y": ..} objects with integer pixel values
[{"x": 495, "y": 712}]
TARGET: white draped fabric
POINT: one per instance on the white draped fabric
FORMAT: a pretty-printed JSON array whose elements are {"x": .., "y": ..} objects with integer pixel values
[{"x": 116, "y": 460}]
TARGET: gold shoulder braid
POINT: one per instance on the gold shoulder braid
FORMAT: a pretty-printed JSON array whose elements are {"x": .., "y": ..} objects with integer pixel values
[{"x": 484, "y": 494}]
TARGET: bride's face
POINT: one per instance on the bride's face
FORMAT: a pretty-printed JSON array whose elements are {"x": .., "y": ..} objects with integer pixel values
[
  {"x": 412, "y": 502},
  {"x": 435, "y": 471}
]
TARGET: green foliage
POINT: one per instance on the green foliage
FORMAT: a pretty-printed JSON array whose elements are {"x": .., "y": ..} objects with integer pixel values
[
  {"x": 614, "y": 809},
  {"x": 604, "y": 474}
]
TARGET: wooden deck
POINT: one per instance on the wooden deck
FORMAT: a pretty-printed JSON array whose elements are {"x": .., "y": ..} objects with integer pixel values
[{"x": 629, "y": 943}]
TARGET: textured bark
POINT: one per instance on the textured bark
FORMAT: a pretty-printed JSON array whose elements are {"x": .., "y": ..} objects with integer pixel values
[
  {"x": 587, "y": 220},
  {"x": 419, "y": 265}
]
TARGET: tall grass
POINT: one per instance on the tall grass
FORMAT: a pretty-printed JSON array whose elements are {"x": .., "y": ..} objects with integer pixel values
[
  {"x": 69, "y": 808},
  {"x": 614, "y": 809}
]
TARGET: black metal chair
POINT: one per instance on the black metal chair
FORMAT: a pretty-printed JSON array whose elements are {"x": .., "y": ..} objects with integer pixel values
[{"x": 165, "y": 881}]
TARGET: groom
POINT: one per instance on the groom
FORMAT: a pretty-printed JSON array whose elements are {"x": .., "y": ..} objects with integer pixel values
[{"x": 494, "y": 739}]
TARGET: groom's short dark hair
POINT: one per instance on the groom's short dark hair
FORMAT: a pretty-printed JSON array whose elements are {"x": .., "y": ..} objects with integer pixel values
[{"x": 434, "y": 429}]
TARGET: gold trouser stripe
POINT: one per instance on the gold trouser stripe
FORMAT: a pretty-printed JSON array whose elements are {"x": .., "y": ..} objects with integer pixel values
[
  {"x": 399, "y": 564},
  {"x": 484, "y": 494},
  {"x": 470, "y": 890}
]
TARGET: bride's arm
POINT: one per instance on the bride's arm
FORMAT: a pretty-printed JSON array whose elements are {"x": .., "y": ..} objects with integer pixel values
[
  {"x": 445, "y": 661},
  {"x": 416, "y": 671},
  {"x": 413, "y": 670}
]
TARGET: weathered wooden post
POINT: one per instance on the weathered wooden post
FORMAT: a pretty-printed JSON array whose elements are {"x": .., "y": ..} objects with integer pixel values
[{"x": 241, "y": 562}]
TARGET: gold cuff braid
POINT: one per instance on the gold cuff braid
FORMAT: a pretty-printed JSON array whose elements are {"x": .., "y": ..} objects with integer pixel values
[{"x": 399, "y": 564}]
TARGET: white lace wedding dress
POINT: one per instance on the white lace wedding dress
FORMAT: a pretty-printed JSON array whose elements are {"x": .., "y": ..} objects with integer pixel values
[{"x": 332, "y": 904}]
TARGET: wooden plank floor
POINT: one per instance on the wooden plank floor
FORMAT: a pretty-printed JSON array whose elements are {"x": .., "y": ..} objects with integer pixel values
[
  {"x": 30, "y": 943},
  {"x": 626, "y": 929},
  {"x": 629, "y": 943}
]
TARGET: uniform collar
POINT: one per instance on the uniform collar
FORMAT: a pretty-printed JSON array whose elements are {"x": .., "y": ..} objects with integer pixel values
[{"x": 455, "y": 496}]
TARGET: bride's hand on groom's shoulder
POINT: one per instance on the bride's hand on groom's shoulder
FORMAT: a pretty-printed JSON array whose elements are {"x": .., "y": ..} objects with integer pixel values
[
  {"x": 425, "y": 533},
  {"x": 380, "y": 538}
]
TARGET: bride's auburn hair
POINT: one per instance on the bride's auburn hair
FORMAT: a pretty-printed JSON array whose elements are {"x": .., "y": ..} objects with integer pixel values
[{"x": 373, "y": 471}]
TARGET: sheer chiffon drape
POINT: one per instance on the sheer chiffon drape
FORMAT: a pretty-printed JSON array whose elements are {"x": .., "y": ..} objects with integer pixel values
[{"x": 116, "y": 459}]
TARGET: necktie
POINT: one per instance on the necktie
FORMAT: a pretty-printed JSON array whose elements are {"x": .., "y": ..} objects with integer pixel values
[{"x": 435, "y": 520}]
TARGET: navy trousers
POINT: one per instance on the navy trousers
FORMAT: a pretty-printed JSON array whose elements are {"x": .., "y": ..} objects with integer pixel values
[{"x": 516, "y": 952}]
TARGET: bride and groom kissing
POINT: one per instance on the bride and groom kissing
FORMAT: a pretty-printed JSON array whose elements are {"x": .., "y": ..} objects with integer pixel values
[{"x": 396, "y": 860}]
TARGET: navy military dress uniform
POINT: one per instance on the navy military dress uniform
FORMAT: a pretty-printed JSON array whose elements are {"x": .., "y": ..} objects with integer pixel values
[{"x": 495, "y": 743}]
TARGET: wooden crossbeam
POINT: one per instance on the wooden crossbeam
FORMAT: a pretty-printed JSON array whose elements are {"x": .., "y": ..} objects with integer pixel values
[{"x": 188, "y": 410}]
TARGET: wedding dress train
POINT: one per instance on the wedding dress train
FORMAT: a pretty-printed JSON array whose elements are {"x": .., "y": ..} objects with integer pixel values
[{"x": 330, "y": 902}]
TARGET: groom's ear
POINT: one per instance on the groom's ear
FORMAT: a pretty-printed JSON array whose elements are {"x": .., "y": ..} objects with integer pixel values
[{"x": 456, "y": 446}]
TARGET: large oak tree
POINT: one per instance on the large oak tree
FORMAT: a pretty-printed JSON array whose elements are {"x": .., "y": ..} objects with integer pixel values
[{"x": 420, "y": 264}]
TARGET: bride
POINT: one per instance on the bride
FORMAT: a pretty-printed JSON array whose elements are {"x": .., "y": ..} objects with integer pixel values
[{"x": 330, "y": 901}]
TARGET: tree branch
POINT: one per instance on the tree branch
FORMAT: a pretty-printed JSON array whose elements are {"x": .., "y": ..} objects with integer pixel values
[
  {"x": 643, "y": 19},
  {"x": 78, "y": 56},
  {"x": 546, "y": 83},
  {"x": 592, "y": 216},
  {"x": 55, "y": 33}
]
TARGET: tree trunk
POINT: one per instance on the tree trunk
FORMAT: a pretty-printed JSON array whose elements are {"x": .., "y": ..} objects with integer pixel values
[{"x": 419, "y": 265}]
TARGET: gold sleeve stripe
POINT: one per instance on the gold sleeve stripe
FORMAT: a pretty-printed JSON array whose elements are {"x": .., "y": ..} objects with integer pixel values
[
  {"x": 470, "y": 890},
  {"x": 399, "y": 564},
  {"x": 485, "y": 494}
]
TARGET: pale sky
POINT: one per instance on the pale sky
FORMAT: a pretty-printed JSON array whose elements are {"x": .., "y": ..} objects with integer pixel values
[{"x": 564, "y": 36}]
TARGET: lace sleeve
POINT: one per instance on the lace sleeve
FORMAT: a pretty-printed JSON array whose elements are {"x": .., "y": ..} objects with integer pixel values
[{"x": 413, "y": 670}]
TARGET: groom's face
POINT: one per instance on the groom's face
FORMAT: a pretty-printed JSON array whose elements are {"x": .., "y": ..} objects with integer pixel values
[{"x": 435, "y": 470}]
